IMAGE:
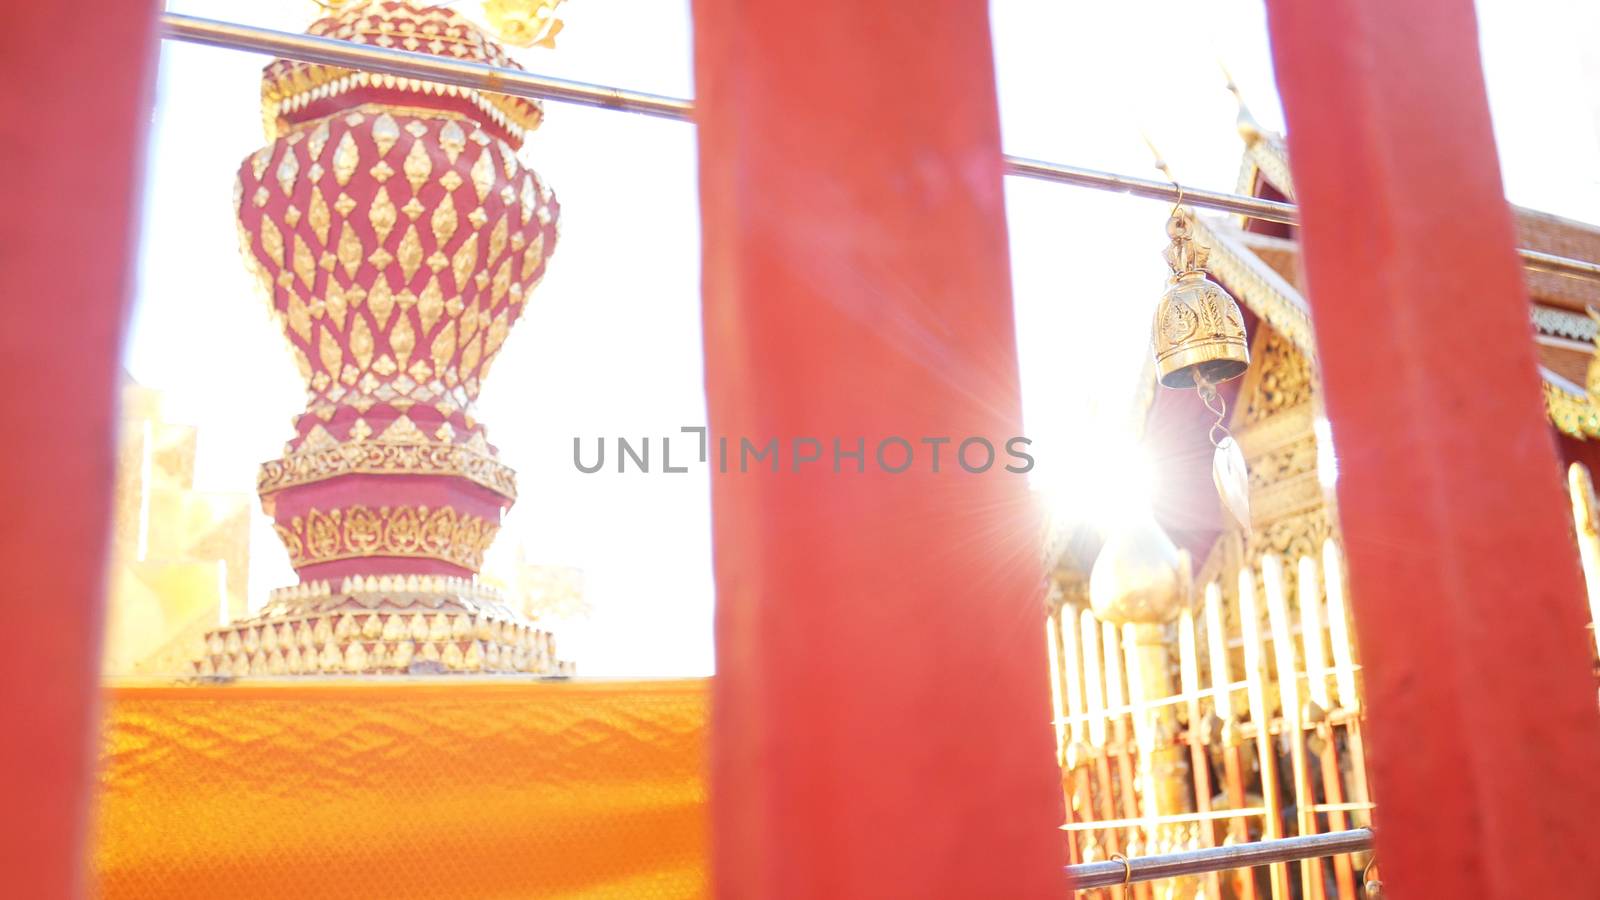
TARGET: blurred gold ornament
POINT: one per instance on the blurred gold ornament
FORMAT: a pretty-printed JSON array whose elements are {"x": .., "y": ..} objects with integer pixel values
[
  {"x": 1139, "y": 578},
  {"x": 524, "y": 23}
]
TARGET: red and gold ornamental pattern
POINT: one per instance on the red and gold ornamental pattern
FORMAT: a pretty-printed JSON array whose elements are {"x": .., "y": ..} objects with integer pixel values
[{"x": 398, "y": 237}]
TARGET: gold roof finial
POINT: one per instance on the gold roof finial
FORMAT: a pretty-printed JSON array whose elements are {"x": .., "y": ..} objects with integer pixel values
[
  {"x": 1249, "y": 128},
  {"x": 524, "y": 23}
]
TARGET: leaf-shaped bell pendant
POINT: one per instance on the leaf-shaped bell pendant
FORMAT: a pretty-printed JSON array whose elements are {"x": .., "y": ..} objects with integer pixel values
[{"x": 1199, "y": 343}]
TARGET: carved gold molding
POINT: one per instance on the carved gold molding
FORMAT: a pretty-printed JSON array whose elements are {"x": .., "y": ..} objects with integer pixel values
[
  {"x": 408, "y": 531},
  {"x": 374, "y": 458}
]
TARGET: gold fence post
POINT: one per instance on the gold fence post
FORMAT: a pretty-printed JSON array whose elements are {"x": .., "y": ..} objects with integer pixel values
[{"x": 1255, "y": 674}]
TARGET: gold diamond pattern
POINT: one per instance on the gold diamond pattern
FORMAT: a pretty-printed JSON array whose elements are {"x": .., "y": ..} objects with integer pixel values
[
  {"x": 532, "y": 257},
  {"x": 402, "y": 339},
  {"x": 382, "y": 215},
  {"x": 465, "y": 260},
  {"x": 299, "y": 317},
  {"x": 361, "y": 344},
  {"x": 430, "y": 304},
  {"x": 336, "y": 306},
  {"x": 288, "y": 170},
  {"x": 349, "y": 249},
  {"x": 452, "y": 140},
  {"x": 444, "y": 345},
  {"x": 272, "y": 242},
  {"x": 317, "y": 141},
  {"x": 317, "y": 216},
  {"x": 384, "y": 133},
  {"x": 445, "y": 221},
  {"x": 305, "y": 264},
  {"x": 418, "y": 166},
  {"x": 409, "y": 252},
  {"x": 345, "y": 159},
  {"x": 380, "y": 301},
  {"x": 482, "y": 173},
  {"x": 497, "y": 240}
]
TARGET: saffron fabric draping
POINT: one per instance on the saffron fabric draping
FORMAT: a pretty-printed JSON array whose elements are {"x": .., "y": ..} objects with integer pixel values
[{"x": 379, "y": 788}]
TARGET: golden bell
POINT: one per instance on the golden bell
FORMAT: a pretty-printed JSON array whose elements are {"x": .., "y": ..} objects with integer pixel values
[{"x": 1198, "y": 329}]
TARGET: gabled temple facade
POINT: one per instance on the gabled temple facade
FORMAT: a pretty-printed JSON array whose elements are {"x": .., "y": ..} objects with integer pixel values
[{"x": 1241, "y": 718}]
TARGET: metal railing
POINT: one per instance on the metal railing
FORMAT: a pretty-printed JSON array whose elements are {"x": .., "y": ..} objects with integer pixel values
[
  {"x": 518, "y": 83},
  {"x": 1116, "y": 872}
]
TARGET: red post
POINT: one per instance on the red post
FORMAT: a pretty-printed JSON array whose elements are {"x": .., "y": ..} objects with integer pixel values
[
  {"x": 882, "y": 710},
  {"x": 1467, "y": 591},
  {"x": 75, "y": 99}
]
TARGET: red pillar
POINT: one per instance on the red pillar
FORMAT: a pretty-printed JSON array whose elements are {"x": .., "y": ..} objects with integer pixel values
[
  {"x": 881, "y": 724},
  {"x": 1468, "y": 597},
  {"x": 74, "y": 97}
]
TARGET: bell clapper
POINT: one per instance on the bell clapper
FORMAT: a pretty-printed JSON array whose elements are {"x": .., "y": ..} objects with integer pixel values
[{"x": 1228, "y": 470}]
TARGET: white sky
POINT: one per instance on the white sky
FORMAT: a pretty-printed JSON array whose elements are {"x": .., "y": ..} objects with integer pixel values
[{"x": 610, "y": 344}]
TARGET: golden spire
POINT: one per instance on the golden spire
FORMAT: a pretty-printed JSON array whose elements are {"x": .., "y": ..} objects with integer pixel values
[
  {"x": 524, "y": 23},
  {"x": 1249, "y": 128}
]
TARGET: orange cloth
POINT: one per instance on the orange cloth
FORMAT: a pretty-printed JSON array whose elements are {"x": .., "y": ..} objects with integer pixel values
[{"x": 446, "y": 788}]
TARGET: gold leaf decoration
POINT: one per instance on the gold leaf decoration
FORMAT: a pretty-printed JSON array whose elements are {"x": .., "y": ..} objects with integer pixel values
[
  {"x": 529, "y": 198},
  {"x": 418, "y": 166},
  {"x": 382, "y": 215},
  {"x": 336, "y": 304},
  {"x": 471, "y": 355},
  {"x": 318, "y": 216},
  {"x": 508, "y": 159},
  {"x": 349, "y": 249},
  {"x": 317, "y": 141},
  {"x": 361, "y": 344},
  {"x": 305, "y": 264},
  {"x": 430, "y": 304},
  {"x": 299, "y": 317},
  {"x": 464, "y": 261},
  {"x": 402, "y": 431},
  {"x": 444, "y": 345},
  {"x": 345, "y": 159},
  {"x": 258, "y": 162},
  {"x": 300, "y": 361},
  {"x": 498, "y": 329},
  {"x": 502, "y": 280},
  {"x": 384, "y": 133},
  {"x": 409, "y": 253},
  {"x": 329, "y": 352},
  {"x": 402, "y": 340},
  {"x": 452, "y": 140},
  {"x": 497, "y": 240},
  {"x": 380, "y": 300},
  {"x": 483, "y": 175},
  {"x": 469, "y": 322},
  {"x": 288, "y": 170},
  {"x": 532, "y": 257},
  {"x": 445, "y": 221},
  {"x": 272, "y": 242}
]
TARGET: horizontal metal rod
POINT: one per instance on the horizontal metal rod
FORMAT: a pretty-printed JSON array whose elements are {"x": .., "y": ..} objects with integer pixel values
[
  {"x": 1217, "y": 859},
  {"x": 406, "y": 64},
  {"x": 517, "y": 83}
]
